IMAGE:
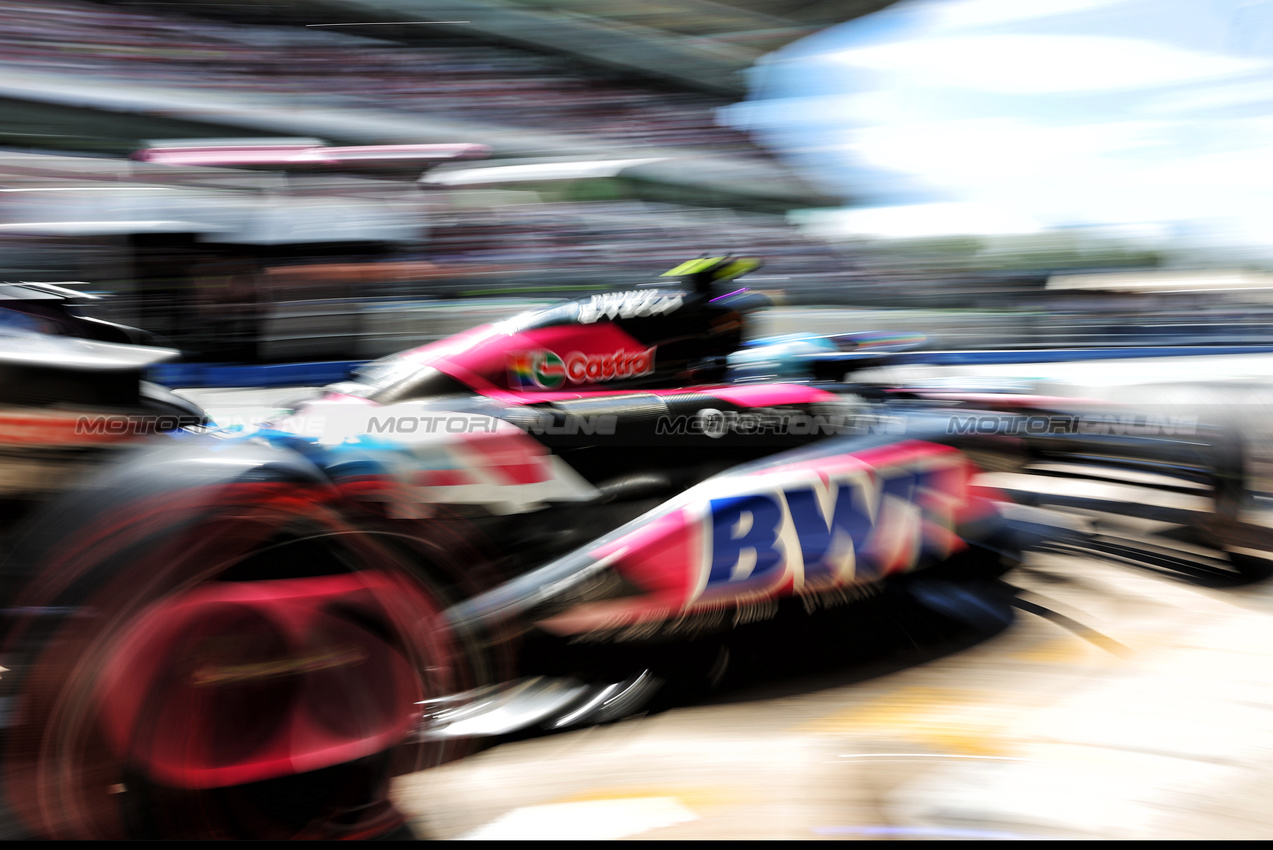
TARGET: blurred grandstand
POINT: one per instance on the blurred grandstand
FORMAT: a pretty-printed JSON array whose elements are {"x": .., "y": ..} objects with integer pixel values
[
  {"x": 606, "y": 161},
  {"x": 602, "y": 163}
]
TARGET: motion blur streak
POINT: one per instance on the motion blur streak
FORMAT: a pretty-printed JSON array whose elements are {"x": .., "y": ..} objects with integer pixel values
[{"x": 1058, "y": 207}]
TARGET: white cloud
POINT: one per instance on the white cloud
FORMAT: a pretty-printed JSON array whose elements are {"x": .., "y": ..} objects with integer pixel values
[
  {"x": 960, "y": 153},
  {"x": 1032, "y": 64},
  {"x": 981, "y": 12},
  {"x": 923, "y": 117},
  {"x": 1216, "y": 181},
  {"x": 1212, "y": 97},
  {"x": 831, "y": 109},
  {"x": 1114, "y": 172},
  {"x": 920, "y": 220}
]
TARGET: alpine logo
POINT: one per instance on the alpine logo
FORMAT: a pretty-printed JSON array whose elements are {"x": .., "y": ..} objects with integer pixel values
[
  {"x": 627, "y": 305},
  {"x": 547, "y": 370}
]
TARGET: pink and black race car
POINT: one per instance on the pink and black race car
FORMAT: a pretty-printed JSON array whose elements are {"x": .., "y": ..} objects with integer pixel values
[{"x": 247, "y": 633}]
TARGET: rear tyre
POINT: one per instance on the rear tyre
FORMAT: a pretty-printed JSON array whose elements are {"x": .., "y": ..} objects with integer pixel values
[{"x": 230, "y": 661}]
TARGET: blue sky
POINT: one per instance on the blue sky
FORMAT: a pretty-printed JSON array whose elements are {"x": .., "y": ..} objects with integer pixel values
[{"x": 1017, "y": 115}]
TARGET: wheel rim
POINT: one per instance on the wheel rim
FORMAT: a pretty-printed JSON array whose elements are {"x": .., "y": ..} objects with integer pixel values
[{"x": 324, "y": 669}]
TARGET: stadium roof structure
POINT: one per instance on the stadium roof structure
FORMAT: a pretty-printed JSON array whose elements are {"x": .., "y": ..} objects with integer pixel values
[{"x": 703, "y": 44}]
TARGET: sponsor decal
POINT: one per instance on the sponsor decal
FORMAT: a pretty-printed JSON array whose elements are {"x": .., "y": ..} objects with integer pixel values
[
  {"x": 597, "y": 368},
  {"x": 536, "y": 369},
  {"x": 851, "y": 528},
  {"x": 627, "y": 305},
  {"x": 547, "y": 370}
]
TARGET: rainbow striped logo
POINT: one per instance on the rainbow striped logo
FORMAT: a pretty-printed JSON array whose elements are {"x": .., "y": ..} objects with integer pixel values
[{"x": 535, "y": 370}]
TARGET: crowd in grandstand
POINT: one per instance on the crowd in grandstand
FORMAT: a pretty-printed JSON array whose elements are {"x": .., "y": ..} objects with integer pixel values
[
  {"x": 632, "y": 235},
  {"x": 517, "y": 244},
  {"x": 477, "y": 83}
]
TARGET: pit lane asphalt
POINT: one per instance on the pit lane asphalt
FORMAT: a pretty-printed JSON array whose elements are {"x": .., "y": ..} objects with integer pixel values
[
  {"x": 1147, "y": 712},
  {"x": 1118, "y": 703}
]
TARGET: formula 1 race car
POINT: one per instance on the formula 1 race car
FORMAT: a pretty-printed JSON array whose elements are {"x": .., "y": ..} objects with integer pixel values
[
  {"x": 72, "y": 390},
  {"x": 246, "y": 633},
  {"x": 51, "y": 309}
]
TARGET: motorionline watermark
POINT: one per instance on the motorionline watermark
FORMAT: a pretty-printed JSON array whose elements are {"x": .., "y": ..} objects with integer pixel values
[
  {"x": 1090, "y": 424},
  {"x": 707, "y": 422},
  {"x": 105, "y": 425},
  {"x": 538, "y": 423},
  {"x": 713, "y": 423}
]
